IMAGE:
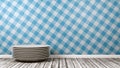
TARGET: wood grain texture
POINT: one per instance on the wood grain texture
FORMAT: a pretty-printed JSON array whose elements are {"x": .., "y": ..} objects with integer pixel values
[{"x": 63, "y": 63}]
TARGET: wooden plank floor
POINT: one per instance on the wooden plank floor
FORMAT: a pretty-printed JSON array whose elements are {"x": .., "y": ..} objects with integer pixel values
[{"x": 63, "y": 63}]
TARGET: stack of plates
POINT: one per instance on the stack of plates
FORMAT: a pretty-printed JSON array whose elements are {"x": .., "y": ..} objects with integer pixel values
[{"x": 30, "y": 52}]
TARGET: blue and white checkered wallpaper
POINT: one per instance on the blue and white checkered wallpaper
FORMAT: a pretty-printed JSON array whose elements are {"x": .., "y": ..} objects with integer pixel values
[{"x": 68, "y": 26}]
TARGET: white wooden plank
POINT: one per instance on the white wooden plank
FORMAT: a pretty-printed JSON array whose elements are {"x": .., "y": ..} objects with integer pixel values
[
  {"x": 116, "y": 61},
  {"x": 7, "y": 64},
  {"x": 37, "y": 65},
  {"x": 32, "y": 65},
  {"x": 69, "y": 63},
  {"x": 88, "y": 63},
  {"x": 109, "y": 63},
  {"x": 48, "y": 63},
  {"x": 82, "y": 63},
  {"x": 42, "y": 63},
  {"x": 114, "y": 64},
  {"x": 4, "y": 61},
  {"x": 18, "y": 65},
  {"x": 13, "y": 64},
  {"x": 103, "y": 63},
  {"x": 55, "y": 63},
  {"x": 95, "y": 63},
  {"x": 76, "y": 63},
  {"x": 24, "y": 65},
  {"x": 62, "y": 63},
  {"x": 92, "y": 64}
]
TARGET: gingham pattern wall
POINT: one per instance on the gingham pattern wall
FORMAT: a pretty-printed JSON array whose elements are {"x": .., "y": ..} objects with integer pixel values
[{"x": 68, "y": 26}]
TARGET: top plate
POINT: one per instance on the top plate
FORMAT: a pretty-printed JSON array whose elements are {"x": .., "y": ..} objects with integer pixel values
[{"x": 31, "y": 46}]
